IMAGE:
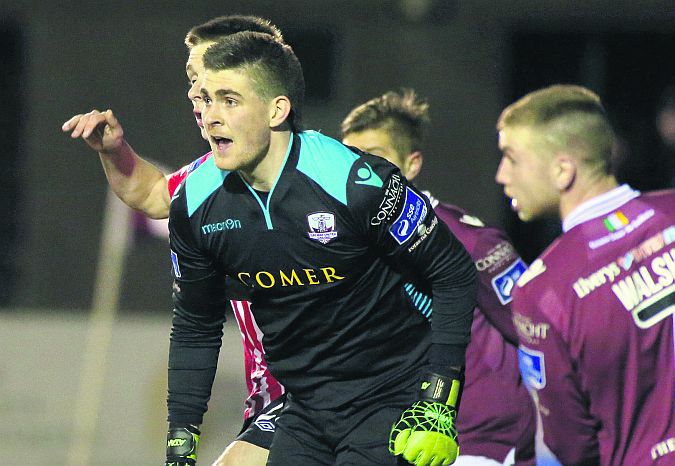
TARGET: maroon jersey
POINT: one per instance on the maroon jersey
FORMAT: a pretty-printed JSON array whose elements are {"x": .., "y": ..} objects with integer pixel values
[
  {"x": 497, "y": 413},
  {"x": 594, "y": 316},
  {"x": 262, "y": 387}
]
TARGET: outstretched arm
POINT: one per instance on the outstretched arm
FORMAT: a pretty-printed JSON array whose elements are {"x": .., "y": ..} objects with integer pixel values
[{"x": 137, "y": 182}]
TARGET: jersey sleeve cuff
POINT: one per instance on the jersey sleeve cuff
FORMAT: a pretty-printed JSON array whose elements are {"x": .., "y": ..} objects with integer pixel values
[{"x": 442, "y": 357}]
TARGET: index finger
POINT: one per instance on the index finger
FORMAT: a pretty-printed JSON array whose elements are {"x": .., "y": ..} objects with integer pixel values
[{"x": 71, "y": 123}]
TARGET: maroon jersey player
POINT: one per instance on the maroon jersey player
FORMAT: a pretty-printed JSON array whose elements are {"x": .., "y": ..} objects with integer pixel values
[{"x": 594, "y": 312}]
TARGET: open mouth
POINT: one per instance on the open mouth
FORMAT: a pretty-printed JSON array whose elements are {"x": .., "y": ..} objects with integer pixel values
[
  {"x": 198, "y": 117},
  {"x": 512, "y": 201},
  {"x": 221, "y": 143}
]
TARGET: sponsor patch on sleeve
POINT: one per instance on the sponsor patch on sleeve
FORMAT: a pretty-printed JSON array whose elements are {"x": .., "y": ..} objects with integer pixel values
[
  {"x": 174, "y": 262},
  {"x": 412, "y": 214},
  {"x": 505, "y": 282},
  {"x": 532, "y": 367}
]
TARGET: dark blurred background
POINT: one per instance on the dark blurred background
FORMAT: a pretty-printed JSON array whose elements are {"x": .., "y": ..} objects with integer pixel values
[{"x": 468, "y": 58}]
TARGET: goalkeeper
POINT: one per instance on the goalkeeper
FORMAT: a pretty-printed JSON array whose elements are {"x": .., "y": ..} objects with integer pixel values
[{"x": 325, "y": 238}]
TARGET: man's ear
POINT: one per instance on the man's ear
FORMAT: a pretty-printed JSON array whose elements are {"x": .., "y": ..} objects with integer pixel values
[
  {"x": 564, "y": 171},
  {"x": 413, "y": 164},
  {"x": 280, "y": 109}
]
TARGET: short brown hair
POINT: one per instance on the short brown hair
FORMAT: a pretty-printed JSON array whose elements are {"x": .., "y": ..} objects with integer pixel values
[
  {"x": 271, "y": 65},
  {"x": 566, "y": 118},
  {"x": 217, "y": 28},
  {"x": 402, "y": 112}
]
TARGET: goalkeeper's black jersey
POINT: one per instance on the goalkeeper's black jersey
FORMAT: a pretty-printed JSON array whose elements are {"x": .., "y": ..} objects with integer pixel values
[{"x": 324, "y": 257}]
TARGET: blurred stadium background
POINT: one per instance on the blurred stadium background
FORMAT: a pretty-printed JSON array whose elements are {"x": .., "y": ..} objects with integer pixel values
[{"x": 468, "y": 58}]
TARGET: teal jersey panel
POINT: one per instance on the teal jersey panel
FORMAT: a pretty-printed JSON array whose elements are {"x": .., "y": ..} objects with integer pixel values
[
  {"x": 327, "y": 162},
  {"x": 202, "y": 182}
]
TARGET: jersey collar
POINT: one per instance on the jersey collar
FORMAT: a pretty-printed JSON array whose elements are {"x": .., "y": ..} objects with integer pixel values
[{"x": 599, "y": 206}]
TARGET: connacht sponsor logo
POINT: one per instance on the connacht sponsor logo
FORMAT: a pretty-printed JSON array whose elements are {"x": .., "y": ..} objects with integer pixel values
[
  {"x": 496, "y": 256},
  {"x": 392, "y": 196}
]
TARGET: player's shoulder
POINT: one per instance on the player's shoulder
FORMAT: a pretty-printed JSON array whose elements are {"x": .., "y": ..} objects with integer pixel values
[
  {"x": 662, "y": 201},
  {"x": 555, "y": 264},
  {"x": 663, "y": 195},
  {"x": 198, "y": 186},
  {"x": 176, "y": 178},
  {"x": 478, "y": 237},
  {"x": 605, "y": 233},
  {"x": 528, "y": 292},
  {"x": 498, "y": 263},
  {"x": 192, "y": 166},
  {"x": 545, "y": 290},
  {"x": 338, "y": 169}
]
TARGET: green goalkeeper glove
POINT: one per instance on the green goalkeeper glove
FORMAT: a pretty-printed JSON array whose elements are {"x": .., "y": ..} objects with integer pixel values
[
  {"x": 181, "y": 445},
  {"x": 425, "y": 434}
]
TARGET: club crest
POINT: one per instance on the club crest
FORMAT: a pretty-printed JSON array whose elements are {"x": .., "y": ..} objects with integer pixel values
[{"x": 321, "y": 226}]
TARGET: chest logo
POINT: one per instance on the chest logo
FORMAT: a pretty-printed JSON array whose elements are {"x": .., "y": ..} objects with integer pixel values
[
  {"x": 322, "y": 227},
  {"x": 532, "y": 367},
  {"x": 504, "y": 283},
  {"x": 368, "y": 177}
]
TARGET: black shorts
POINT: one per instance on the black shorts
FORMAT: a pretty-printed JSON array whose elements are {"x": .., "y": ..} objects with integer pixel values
[
  {"x": 259, "y": 429},
  {"x": 353, "y": 435}
]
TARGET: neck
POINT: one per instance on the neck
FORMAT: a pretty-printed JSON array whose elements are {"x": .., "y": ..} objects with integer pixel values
[
  {"x": 263, "y": 175},
  {"x": 585, "y": 190}
]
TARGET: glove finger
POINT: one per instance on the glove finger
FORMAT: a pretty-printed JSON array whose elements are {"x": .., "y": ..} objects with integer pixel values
[
  {"x": 412, "y": 452},
  {"x": 401, "y": 441},
  {"x": 450, "y": 459},
  {"x": 424, "y": 458},
  {"x": 434, "y": 444}
]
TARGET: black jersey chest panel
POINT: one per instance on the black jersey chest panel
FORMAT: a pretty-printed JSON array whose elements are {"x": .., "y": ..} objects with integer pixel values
[{"x": 302, "y": 236}]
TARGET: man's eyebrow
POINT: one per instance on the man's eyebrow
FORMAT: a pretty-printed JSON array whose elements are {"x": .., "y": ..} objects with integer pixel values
[
  {"x": 220, "y": 92},
  {"x": 226, "y": 92}
]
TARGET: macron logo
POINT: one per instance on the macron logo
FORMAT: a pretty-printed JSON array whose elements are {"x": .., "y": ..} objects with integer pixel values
[
  {"x": 229, "y": 224},
  {"x": 368, "y": 177}
]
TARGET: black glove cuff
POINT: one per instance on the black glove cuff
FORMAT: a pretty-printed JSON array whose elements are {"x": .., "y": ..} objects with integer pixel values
[
  {"x": 181, "y": 444},
  {"x": 446, "y": 389}
]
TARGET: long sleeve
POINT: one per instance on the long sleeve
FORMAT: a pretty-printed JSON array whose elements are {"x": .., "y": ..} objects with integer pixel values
[
  {"x": 404, "y": 227},
  {"x": 198, "y": 317}
]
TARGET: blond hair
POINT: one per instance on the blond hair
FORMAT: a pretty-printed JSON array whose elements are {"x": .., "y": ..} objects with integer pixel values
[{"x": 565, "y": 118}]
